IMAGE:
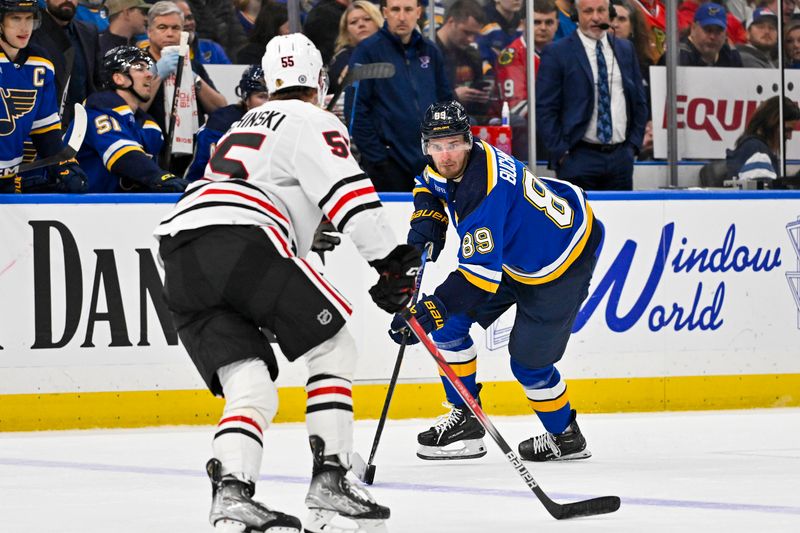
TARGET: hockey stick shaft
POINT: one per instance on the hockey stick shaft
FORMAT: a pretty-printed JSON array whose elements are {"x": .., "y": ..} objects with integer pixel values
[
  {"x": 72, "y": 146},
  {"x": 173, "y": 114},
  {"x": 369, "y": 71},
  {"x": 396, "y": 372},
  {"x": 595, "y": 506}
]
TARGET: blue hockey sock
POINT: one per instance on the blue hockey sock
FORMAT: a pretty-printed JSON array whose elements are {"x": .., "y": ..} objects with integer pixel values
[{"x": 547, "y": 394}]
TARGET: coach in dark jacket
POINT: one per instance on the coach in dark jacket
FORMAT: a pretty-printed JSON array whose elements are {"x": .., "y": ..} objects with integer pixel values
[
  {"x": 591, "y": 124},
  {"x": 388, "y": 112},
  {"x": 73, "y": 48}
]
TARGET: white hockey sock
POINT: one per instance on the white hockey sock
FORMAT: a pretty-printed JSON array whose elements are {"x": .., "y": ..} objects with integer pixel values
[{"x": 251, "y": 403}]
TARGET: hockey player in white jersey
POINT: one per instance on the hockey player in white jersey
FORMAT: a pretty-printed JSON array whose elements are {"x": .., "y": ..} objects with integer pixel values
[{"x": 233, "y": 250}]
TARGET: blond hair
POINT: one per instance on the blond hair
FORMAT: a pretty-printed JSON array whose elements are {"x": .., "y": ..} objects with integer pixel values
[{"x": 344, "y": 38}]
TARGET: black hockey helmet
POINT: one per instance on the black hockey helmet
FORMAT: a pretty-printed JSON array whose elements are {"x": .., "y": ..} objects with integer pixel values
[
  {"x": 119, "y": 60},
  {"x": 24, "y": 6},
  {"x": 252, "y": 82},
  {"x": 444, "y": 119}
]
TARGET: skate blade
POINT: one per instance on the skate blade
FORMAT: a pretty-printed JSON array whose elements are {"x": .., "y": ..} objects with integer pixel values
[
  {"x": 583, "y": 454},
  {"x": 325, "y": 521},
  {"x": 463, "y": 449},
  {"x": 232, "y": 526}
]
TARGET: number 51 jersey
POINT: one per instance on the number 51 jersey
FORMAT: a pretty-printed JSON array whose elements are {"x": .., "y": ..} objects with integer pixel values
[{"x": 286, "y": 164}]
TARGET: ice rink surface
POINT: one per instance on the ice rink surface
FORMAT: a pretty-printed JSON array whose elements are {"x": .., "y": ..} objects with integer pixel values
[{"x": 680, "y": 472}]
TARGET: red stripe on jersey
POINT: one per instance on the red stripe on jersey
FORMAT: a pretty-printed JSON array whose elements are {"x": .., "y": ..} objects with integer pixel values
[
  {"x": 330, "y": 390},
  {"x": 347, "y": 197},
  {"x": 266, "y": 205},
  {"x": 243, "y": 419},
  {"x": 328, "y": 287},
  {"x": 278, "y": 236}
]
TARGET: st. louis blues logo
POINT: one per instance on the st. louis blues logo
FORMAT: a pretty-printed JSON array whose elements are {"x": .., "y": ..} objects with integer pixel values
[
  {"x": 14, "y": 103},
  {"x": 793, "y": 228},
  {"x": 424, "y": 61}
]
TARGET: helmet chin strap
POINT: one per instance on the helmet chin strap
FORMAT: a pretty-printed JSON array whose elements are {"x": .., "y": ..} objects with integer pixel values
[{"x": 130, "y": 89}]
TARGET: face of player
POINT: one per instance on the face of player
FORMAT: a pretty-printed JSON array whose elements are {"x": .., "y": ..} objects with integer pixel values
[
  {"x": 449, "y": 155},
  {"x": 165, "y": 31},
  {"x": 256, "y": 99},
  {"x": 141, "y": 77},
  {"x": 17, "y": 28},
  {"x": 464, "y": 33},
  {"x": 621, "y": 24},
  {"x": 63, "y": 10},
  {"x": 544, "y": 28},
  {"x": 592, "y": 13},
  {"x": 401, "y": 17},
  {"x": 360, "y": 25}
]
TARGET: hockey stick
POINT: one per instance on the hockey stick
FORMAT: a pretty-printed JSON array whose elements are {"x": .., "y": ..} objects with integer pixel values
[
  {"x": 70, "y": 150},
  {"x": 370, "y": 71},
  {"x": 366, "y": 471},
  {"x": 594, "y": 506},
  {"x": 173, "y": 114}
]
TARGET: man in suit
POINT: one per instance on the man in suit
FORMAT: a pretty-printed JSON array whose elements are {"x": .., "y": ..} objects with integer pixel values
[
  {"x": 591, "y": 107},
  {"x": 73, "y": 48}
]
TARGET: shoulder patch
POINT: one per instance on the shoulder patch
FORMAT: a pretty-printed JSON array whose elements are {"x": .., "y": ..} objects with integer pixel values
[{"x": 506, "y": 56}]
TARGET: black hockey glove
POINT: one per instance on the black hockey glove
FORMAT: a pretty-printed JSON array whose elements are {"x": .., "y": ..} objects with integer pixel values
[
  {"x": 429, "y": 312},
  {"x": 167, "y": 182},
  {"x": 68, "y": 176},
  {"x": 323, "y": 240},
  {"x": 428, "y": 225},
  {"x": 397, "y": 271}
]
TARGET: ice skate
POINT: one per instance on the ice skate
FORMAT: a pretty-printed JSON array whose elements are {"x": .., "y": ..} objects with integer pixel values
[
  {"x": 331, "y": 498},
  {"x": 563, "y": 447},
  {"x": 234, "y": 511},
  {"x": 456, "y": 435}
]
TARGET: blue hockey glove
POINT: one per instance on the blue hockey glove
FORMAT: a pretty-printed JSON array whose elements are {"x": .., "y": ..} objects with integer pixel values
[
  {"x": 168, "y": 64},
  {"x": 429, "y": 312},
  {"x": 68, "y": 176},
  {"x": 428, "y": 225}
]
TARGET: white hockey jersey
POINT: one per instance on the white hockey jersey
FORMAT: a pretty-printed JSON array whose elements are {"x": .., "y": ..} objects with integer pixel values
[{"x": 285, "y": 164}]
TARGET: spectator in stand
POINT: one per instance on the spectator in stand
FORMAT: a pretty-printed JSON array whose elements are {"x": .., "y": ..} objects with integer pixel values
[
  {"x": 591, "y": 108},
  {"x": 706, "y": 45},
  {"x": 630, "y": 24},
  {"x": 165, "y": 23},
  {"x": 360, "y": 20},
  {"x": 205, "y": 50},
  {"x": 73, "y": 48},
  {"x": 252, "y": 92},
  {"x": 272, "y": 20},
  {"x": 791, "y": 42},
  {"x": 217, "y": 21},
  {"x": 790, "y": 10},
  {"x": 92, "y": 12},
  {"x": 687, "y": 12},
  {"x": 655, "y": 18},
  {"x": 762, "y": 33},
  {"x": 755, "y": 153},
  {"x": 126, "y": 19},
  {"x": 565, "y": 23},
  {"x": 322, "y": 25},
  {"x": 456, "y": 40},
  {"x": 246, "y": 12},
  {"x": 387, "y": 120},
  {"x": 122, "y": 142},
  {"x": 503, "y": 25}
]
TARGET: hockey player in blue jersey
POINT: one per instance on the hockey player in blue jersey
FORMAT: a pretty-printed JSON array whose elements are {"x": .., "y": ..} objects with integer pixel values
[
  {"x": 122, "y": 141},
  {"x": 28, "y": 107},
  {"x": 252, "y": 93},
  {"x": 524, "y": 240}
]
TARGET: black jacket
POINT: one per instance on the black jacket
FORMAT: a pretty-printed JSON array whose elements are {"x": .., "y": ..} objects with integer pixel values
[{"x": 54, "y": 39}]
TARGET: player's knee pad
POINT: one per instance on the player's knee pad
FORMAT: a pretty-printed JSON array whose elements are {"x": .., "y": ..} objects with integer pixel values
[
  {"x": 534, "y": 378},
  {"x": 249, "y": 391},
  {"x": 335, "y": 357},
  {"x": 455, "y": 333}
]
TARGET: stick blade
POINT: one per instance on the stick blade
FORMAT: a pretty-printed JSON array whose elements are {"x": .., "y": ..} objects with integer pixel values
[
  {"x": 78, "y": 128},
  {"x": 358, "y": 466},
  {"x": 372, "y": 71},
  {"x": 595, "y": 506}
]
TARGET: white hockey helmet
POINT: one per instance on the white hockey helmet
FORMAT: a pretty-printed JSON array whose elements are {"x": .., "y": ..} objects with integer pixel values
[{"x": 293, "y": 61}]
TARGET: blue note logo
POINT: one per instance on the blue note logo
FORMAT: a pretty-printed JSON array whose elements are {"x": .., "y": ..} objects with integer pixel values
[
  {"x": 793, "y": 229},
  {"x": 14, "y": 103}
]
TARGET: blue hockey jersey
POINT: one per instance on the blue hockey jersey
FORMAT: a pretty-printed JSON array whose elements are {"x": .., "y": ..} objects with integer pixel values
[
  {"x": 118, "y": 143},
  {"x": 508, "y": 221},
  {"x": 218, "y": 123},
  {"x": 28, "y": 108}
]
